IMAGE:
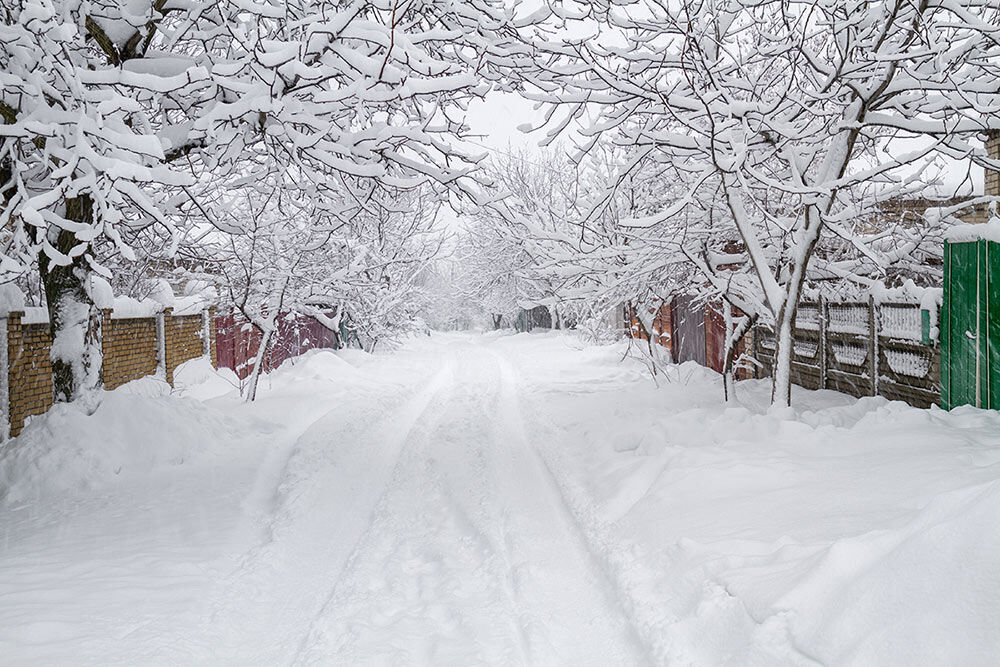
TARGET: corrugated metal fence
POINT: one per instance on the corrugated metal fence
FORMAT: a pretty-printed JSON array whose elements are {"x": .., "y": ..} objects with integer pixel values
[{"x": 237, "y": 341}]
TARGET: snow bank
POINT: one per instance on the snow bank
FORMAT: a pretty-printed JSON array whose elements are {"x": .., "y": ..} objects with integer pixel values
[
  {"x": 127, "y": 438},
  {"x": 355, "y": 357},
  {"x": 841, "y": 531},
  {"x": 923, "y": 593},
  {"x": 199, "y": 380}
]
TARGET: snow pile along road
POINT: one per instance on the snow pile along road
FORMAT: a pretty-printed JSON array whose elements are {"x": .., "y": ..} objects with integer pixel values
[{"x": 498, "y": 500}]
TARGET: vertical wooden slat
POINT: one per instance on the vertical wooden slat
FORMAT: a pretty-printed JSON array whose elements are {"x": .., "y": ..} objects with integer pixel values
[
  {"x": 821, "y": 313},
  {"x": 873, "y": 351}
]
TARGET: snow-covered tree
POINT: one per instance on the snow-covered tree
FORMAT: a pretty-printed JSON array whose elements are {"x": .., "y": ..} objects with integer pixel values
[
  {"x": 799, "y": 119},
  {"x": 286, "y": 249},
  {"x": 111, "y": 111}
]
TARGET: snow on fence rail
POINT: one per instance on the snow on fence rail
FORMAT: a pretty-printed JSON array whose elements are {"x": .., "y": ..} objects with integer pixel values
[
  {"x": 861, "y": 348},
  {"x": 135, "y": 343}
]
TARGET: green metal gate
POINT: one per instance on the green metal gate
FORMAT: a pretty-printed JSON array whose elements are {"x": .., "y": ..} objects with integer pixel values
[{"x": 970, "y": 325}]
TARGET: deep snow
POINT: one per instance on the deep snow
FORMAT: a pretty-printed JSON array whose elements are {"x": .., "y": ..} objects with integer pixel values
[{"x": 498, "y": 499}]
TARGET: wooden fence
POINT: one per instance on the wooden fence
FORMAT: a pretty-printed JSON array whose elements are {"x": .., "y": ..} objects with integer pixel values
[{"x": 860, "y": 348}]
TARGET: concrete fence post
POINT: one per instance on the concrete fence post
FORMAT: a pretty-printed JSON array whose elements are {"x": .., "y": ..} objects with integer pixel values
[
  {"x": 206, "y": 334},
  {"x": 161, "y": 344}
]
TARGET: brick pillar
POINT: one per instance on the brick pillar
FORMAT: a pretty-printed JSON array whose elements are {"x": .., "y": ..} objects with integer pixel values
[
  {"x": 212, "y": 348},
  {"x": 106, "y": 350},
  {"x": 12, "y": 422},
  {"x": 992, "y": 180}
]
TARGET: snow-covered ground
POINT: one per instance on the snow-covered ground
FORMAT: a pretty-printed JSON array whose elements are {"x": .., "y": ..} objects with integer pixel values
[{"x": 498, "y": 499}]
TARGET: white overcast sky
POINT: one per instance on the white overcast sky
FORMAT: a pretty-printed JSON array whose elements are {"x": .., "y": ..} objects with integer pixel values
[{"x": 496, "y": 120}]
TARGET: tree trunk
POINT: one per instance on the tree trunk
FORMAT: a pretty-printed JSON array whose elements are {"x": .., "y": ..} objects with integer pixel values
[
  {"x": 74, "y": 320},
  {"x": 781, "y": 389},
  {"x": 734, "y": 334},
  {"x": 258, "y": 364}
]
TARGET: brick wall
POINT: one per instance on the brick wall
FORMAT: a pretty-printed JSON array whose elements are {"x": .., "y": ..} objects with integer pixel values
[
  {"x": 212, "y": 332},
  {"x": 992, "y": 184},
  {"x": 184, "y": 340},
  {"x": 130, "y": 349},
  {"x": 29, "y": 370}
]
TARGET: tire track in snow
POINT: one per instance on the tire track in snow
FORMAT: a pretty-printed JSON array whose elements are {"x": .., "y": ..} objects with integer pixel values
[
  {"x": 627, "y": 577},
  {"x": 337, "y": 469},
  {"x": 576, "y": 536},
  {"x": 424, "y": 588},
  {"x": 472, "y": 558}
]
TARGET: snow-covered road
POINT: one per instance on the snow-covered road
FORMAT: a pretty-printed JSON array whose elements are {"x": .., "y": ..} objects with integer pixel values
[
  {"x": 428, "y": 533},
  {"x": 498, "y": 500}
]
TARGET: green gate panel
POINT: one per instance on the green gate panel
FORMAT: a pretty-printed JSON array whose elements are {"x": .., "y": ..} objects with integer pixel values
[
  {"x": 970, "y": 325},
  {"x": 992, "y": 324}
]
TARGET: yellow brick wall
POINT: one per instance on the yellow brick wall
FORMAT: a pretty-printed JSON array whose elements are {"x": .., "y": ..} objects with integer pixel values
[
  {"x": 992, "y": 184},
  {"x": 130, "y": 350},
  {"x": 29, "y": 370},
  {"x": 183, "y": 336}
]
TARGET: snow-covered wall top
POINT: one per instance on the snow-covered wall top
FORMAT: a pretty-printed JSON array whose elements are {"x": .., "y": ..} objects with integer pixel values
[
  {"x": 35, "y": 315},
  {"x": 11, "y": 299},
  {"x": 122, "y": 307},
  {"x": 125, "y": 307},
  {"x": 989, "y": 231}
]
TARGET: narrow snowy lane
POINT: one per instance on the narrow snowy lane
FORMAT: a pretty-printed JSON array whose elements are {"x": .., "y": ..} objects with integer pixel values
[
  {"x": 498, "y": 500},
  {"x": 470, "y": 556}
]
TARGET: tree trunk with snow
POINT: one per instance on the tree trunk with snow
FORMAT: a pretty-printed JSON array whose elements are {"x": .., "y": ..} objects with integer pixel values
[
  {"x": 781, "y": 384},
  {"x": 74, "y": 319},
  {"x": 258, "y": 364},
  {"x": 735, "y": 331}
]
